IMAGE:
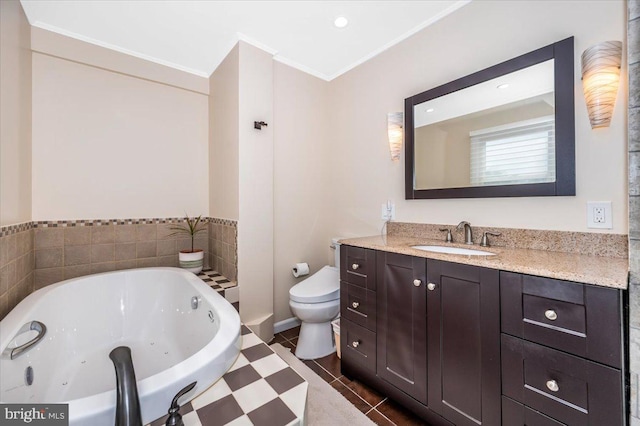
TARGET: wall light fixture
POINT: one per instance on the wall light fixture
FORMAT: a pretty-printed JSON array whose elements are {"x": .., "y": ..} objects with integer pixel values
[
  {"x": 600, "y": 80},
  {"x": 394, "y": 130}
]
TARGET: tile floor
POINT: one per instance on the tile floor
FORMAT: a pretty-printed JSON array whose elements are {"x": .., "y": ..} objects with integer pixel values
[{"x": 377, "y": 407}]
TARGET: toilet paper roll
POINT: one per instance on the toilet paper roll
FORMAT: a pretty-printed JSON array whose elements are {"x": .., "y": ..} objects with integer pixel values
[{"x": 300, "y": 269}]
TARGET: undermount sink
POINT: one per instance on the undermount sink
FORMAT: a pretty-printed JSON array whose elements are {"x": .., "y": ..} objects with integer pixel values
[{"x": 454, "y": 250}]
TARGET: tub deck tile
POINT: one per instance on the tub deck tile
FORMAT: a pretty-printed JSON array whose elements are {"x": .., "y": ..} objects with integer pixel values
[{"x": 258, "y": 389}]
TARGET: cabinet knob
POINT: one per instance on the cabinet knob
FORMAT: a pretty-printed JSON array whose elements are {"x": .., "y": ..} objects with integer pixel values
[
  {"x": 417, "y": 283},
  {"x": 355, "y": 266},
  {"x": 431, "y": 286},
  {"x": 552, "y": 385},
  {"x": 355, "y": 305},
  {"x": 355, "y": 344},
  {"x": 551, "y": 314}
]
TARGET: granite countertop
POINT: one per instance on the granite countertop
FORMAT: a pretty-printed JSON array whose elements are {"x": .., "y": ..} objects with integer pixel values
[{"x": 598, "y": 270}]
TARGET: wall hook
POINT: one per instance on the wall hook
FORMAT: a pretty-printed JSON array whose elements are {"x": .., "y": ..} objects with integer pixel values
[{"x": 258, "y": 124}]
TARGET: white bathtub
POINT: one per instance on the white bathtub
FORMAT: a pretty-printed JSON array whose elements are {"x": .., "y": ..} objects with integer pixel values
[{"x": 148, "y": 310}]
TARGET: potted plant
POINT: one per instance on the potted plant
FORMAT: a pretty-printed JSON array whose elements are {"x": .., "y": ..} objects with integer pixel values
[{"x": 191, "y": 260}]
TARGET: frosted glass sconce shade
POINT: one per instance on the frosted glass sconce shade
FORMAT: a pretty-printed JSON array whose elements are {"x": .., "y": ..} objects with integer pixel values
[
  {"x": 600, "y": 80},
  {"x": 394, "y": 130}
]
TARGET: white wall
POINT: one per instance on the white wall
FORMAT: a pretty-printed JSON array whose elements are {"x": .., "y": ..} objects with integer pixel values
[
  {"x": 15, "y": 115},
  {"x": 110, "y": 145},
  {"x": 301, "y": 179},
  {"x": 255, "y": 190},
  {"x": 476, "y": 36},
  {"x": 223, "y": 138}
]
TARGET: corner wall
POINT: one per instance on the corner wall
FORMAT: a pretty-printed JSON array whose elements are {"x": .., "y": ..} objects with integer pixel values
[{"x": 15, "y": 115}]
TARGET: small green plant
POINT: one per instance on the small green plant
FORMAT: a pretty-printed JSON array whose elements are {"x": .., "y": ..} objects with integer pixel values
[{"x": 191, "y": 227}]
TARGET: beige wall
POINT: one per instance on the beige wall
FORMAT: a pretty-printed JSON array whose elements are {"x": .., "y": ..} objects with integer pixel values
[
  {"x": 15, "y": 115},
  {"x": 472, "y": 38},
  {"x": 110, "y": 145},
  {"x": 223, "y": 138},
  {"x": 255, "y": 190},
  {"x": 301, "y": 170}
]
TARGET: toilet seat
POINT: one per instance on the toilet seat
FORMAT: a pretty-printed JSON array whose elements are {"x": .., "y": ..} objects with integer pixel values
[{"x": 322, "y": 286}]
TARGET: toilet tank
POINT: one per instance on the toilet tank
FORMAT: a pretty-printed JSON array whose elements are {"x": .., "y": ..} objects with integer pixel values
[{"x": 336, "y": 246}]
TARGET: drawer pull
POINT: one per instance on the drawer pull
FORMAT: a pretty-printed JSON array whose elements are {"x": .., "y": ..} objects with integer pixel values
[
  {"x": 356, "y": 343},
  {"x": 355, "y": 266},
  {"x": 552, "y": 385},
  {"x": 355, "y": 305},
  {"x": 551, "y": 315},
  {"x": 417, "y": 283},
  {"x": 431, "y": 286}
]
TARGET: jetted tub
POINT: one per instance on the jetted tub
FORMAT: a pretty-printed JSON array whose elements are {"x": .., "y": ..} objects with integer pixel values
[{"x": 149, "y": 310}]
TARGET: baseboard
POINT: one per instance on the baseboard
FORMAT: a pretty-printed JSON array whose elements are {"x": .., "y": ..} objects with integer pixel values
[
  {"x": 284, "y": 325},
  {"x": 232, "y": 294}
]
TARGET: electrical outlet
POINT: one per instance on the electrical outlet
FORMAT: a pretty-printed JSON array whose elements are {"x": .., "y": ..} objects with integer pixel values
[
  {"x": 599, "y": 214},
  {"x": 388, "y": 211}
]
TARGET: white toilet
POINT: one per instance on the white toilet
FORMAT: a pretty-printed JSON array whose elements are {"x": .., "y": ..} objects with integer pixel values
[{"x": 316, "y": 301}]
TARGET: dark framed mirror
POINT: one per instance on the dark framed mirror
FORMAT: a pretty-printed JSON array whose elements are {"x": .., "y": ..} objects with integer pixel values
[{"x": 505, "y": 131}]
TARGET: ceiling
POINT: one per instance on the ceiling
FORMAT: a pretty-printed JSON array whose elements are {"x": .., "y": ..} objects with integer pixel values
[{"x": 195, "y": 36}]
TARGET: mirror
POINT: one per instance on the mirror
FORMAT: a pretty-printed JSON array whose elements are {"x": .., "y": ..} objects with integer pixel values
[{"x": 504, "y": 131}]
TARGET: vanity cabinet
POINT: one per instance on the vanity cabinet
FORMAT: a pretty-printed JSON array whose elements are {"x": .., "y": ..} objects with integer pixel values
[
  {"x": 464, "y": 345},
  {"x": 402, "y": 323},
  {"x": 463, "y": 317}
]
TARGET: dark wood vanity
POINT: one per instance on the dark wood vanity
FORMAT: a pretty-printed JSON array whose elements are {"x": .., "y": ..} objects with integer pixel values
[{"x": 460, "y": 344}]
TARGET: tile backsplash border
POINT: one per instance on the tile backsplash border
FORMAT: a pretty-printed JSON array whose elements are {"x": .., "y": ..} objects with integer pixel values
[{"x": 589, "y": 243}]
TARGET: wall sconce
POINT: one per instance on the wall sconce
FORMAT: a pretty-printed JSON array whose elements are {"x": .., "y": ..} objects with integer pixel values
[
  {"x": 600, "y": 80},
  {"x": 394, "y": 130}
]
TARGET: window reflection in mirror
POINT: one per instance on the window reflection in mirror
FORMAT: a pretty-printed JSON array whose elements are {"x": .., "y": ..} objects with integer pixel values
[{"x": 498, "y": 132}]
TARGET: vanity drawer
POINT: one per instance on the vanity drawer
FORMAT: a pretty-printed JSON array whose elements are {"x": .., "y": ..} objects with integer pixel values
[
  {"x": 358, "y": 266},
  {"x": 572, "y": 390},
  {"x": 358, "y": 345},
  {"x": 358, "y": 305},
  {"x": 516, "y": 414},
  {"x": 580, "y": 319}
]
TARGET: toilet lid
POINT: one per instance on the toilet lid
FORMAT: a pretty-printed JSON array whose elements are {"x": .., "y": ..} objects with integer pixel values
[{"x": 322, "y": 286}]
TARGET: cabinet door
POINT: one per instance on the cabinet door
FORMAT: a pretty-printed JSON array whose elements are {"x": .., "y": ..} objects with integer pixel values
[
  {"x": 402, "y": 322},
  {"x": 463, "y": 315}
]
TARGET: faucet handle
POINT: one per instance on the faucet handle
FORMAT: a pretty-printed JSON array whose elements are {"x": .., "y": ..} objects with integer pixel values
[
  {"x": 449, "y": 237},
  {"x": 485, "y": 241},
  {"x": 175, "y": 419}
]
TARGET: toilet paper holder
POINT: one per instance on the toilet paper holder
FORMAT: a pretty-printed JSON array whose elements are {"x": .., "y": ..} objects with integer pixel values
[{"x": 300, "y": 269}]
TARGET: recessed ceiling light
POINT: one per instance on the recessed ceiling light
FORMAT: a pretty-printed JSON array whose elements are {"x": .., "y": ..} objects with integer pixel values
[
  {"x": 503, "y": 86},
  {"x": 341, "y": 22},
  {"x": 430, "y": 110}
]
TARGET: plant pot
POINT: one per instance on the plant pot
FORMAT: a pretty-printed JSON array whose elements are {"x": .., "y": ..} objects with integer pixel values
[{"x": 191, "y": 260}]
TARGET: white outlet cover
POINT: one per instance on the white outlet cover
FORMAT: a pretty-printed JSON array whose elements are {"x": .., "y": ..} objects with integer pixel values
[{"x": 592, "y": 206}]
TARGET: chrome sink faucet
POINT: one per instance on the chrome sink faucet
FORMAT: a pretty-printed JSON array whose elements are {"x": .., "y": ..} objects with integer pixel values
[{"x": 468, "y": 234}]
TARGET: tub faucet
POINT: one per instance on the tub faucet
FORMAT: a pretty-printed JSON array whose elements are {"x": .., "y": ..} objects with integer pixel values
[
  {"x": 468, "y": 234},
  {"x": 127, "y": 401}
]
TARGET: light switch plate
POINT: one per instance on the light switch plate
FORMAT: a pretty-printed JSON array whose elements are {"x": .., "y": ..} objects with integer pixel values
[{"x": 599, "y": 214}]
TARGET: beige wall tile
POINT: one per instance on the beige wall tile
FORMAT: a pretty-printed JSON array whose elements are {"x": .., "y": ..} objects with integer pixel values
[
  {"x": 168, "y": 261},
  {"x": 24, "y": 242},
  {"x": 164, "y": 231},
  {"x": 4, "y": 305},
  {"x": 77, "y": 255},
  {"x": 9, "y": 249},
  {"x": 49, "y": 258},
  {"x": 147, "y": 263},
  {"x": 146, "y": 232},
  {"x": 103, "y": 253},
  {"x": 97, "y": 268},
  {"x": 77, "y": 235},
  {"x": 146, "y": 249},
  {"x": 104, "y": 234},
  {"x": 126, "y": 264},
  {"x": 7, "y": 277},
  {"x": 184, "y": 244},
  {"x": 25, "y": 265},
  {"x": 125, "y": 251},
  {"x": 44, "y": 277},
  {"x": 76, "y": 271},
  {"x": 49, "y": 237},
  {"x": 125, "y": 233},
  {"x": 202, "y": 243},
  {"x": 167, "y": 247}
]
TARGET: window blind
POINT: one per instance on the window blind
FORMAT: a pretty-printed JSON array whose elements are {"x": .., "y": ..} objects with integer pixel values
[{"x": 521, "y": 152}]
